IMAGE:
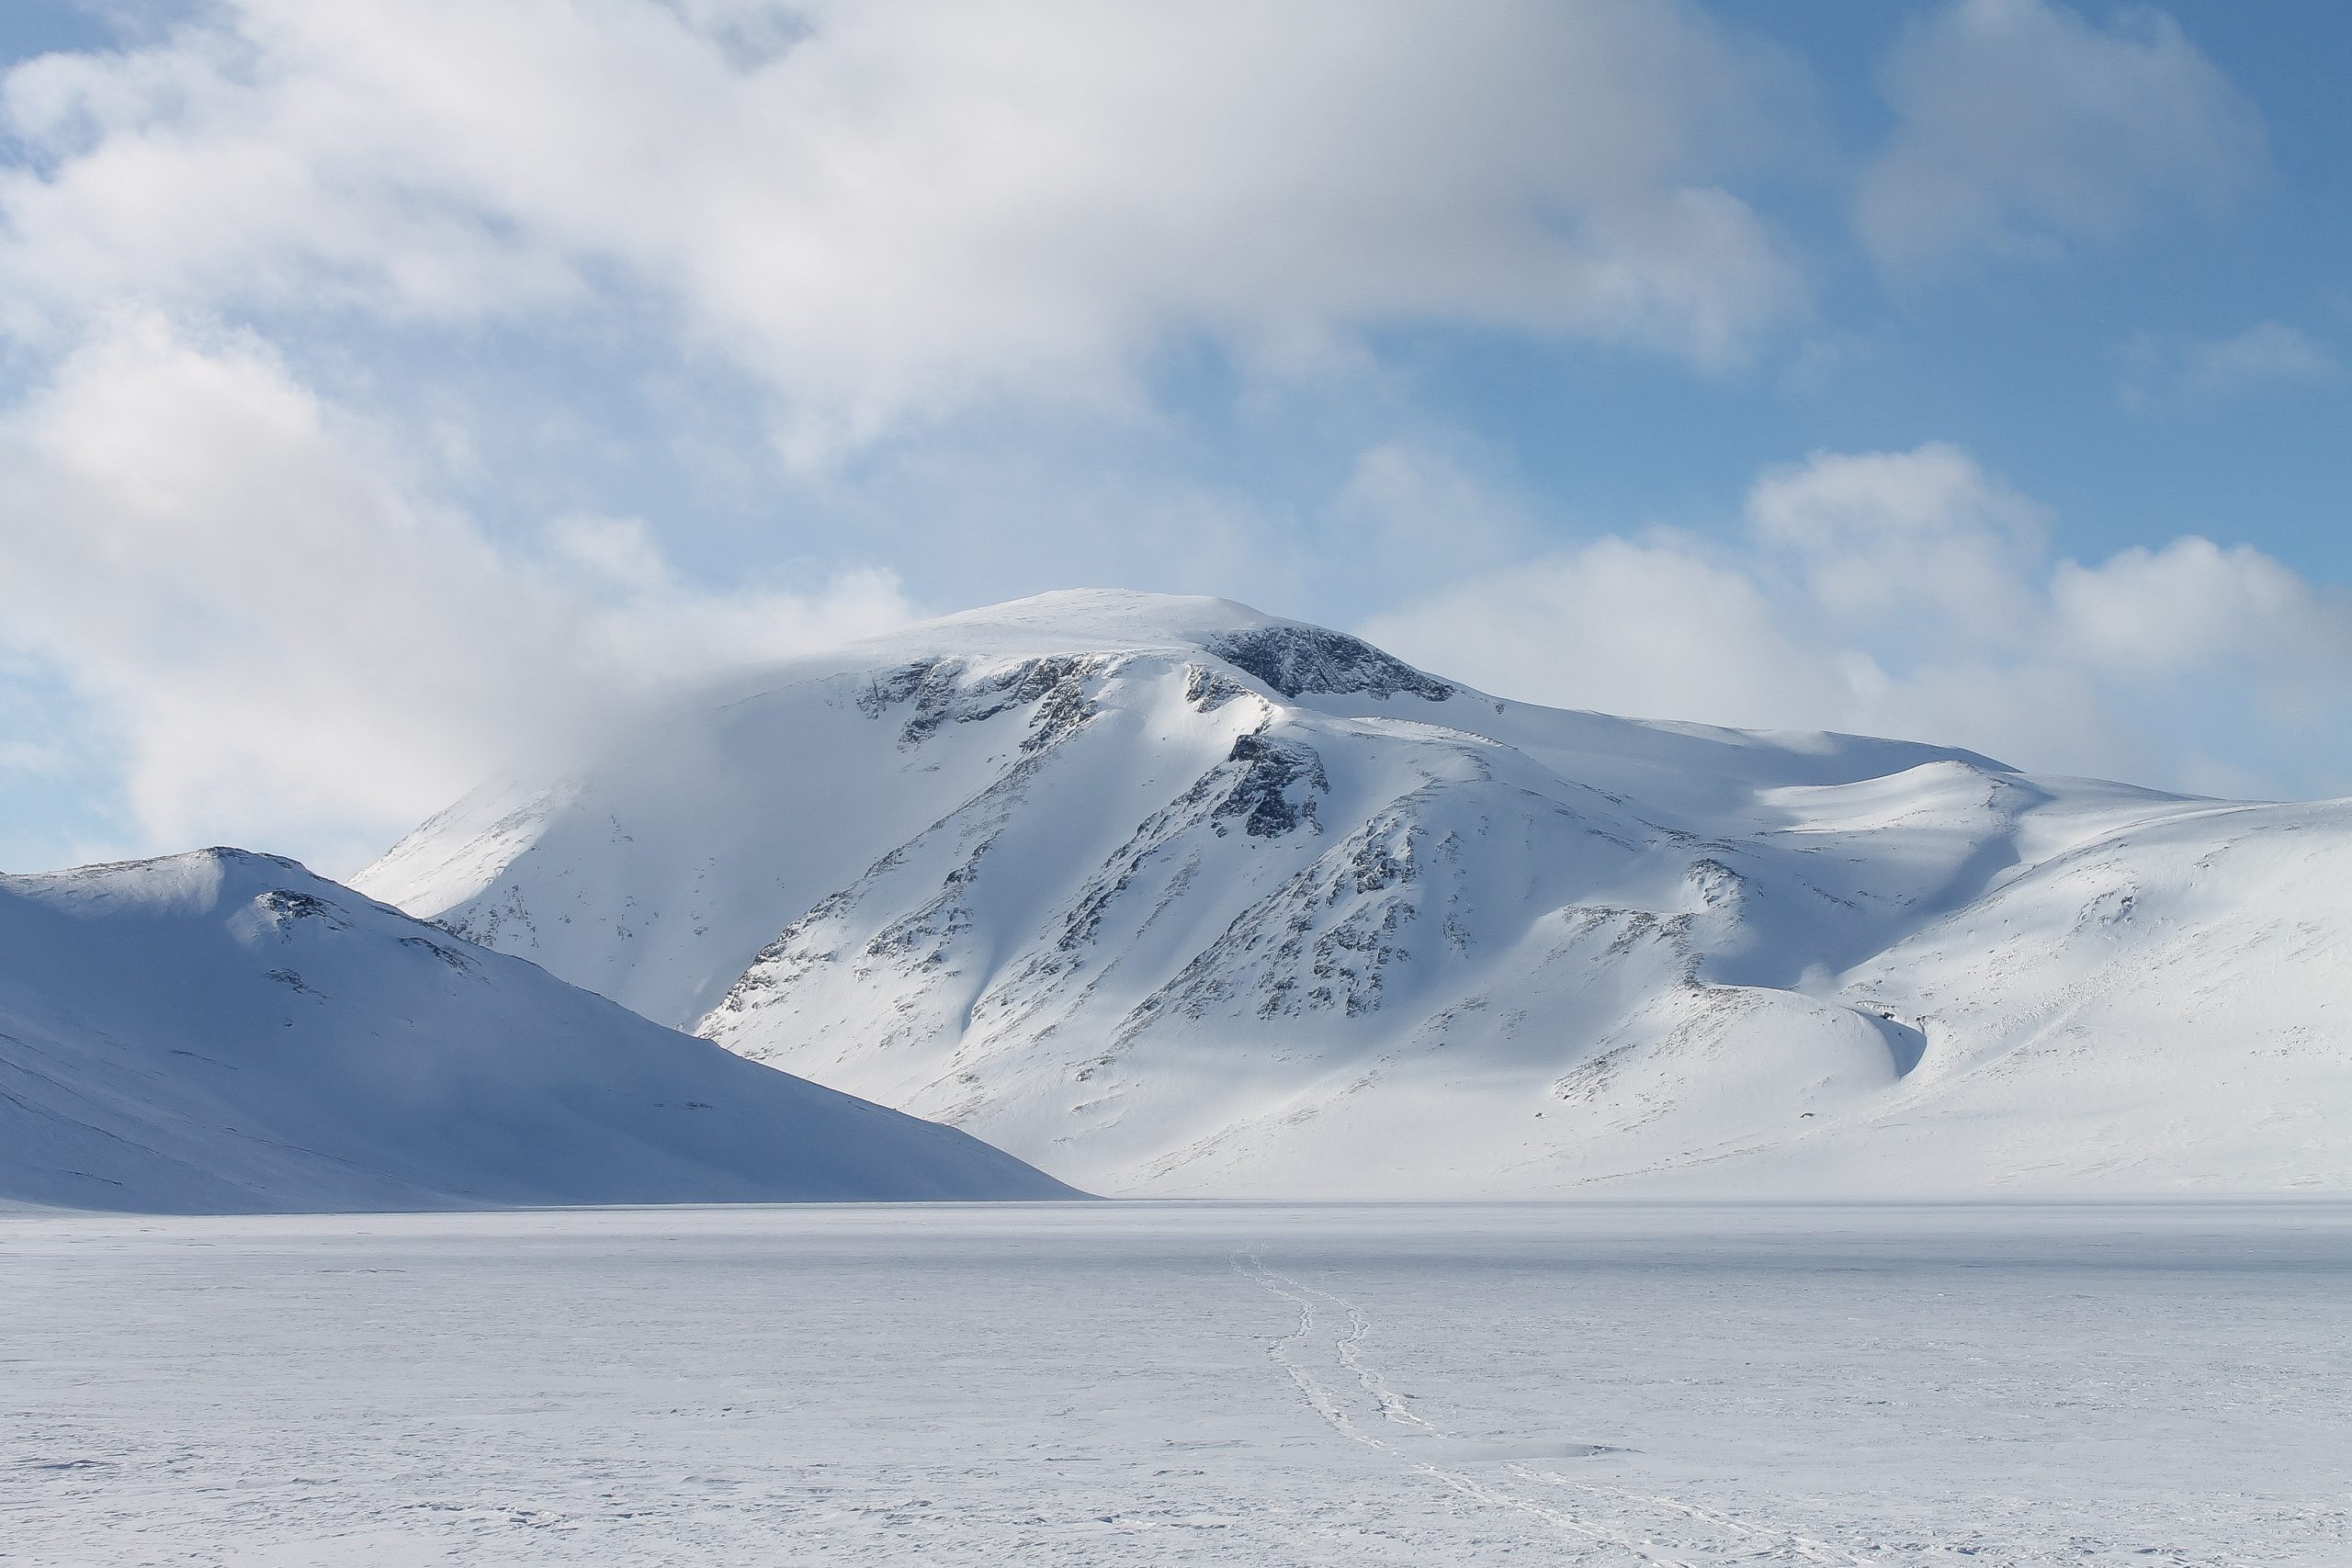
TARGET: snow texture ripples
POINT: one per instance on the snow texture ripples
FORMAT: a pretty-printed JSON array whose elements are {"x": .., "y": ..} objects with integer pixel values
[{"x": 1615, "y": 1385}]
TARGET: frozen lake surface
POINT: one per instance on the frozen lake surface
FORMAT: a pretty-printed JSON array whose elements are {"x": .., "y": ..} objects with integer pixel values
[{"x": 1606, "y": 1384}]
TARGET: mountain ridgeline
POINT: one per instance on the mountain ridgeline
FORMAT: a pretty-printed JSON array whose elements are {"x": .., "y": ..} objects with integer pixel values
[
  {"x": 1172, "y": 897},
  {"x": 223, "y": 1031}
]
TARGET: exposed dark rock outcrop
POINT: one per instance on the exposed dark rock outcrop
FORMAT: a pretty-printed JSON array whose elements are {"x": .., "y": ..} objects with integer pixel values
[{"x": 1297, "y": 660}]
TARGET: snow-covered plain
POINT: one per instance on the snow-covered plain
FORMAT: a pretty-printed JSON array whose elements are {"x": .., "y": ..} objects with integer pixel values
[
  {"x": 1175, "y": 899},
  {"x": 1820, "y": 1387}
]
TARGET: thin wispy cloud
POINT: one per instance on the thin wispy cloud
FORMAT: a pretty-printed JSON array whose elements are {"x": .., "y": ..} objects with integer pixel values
[
  {"x": 2023, "y": 127},
  {"x": 2268, "y": 357}
]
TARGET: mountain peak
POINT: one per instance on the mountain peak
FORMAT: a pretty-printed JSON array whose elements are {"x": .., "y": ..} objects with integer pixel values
[
  {"x": 1076, "y": 621},
  {"x": 1293, "y": 658},
  {"x": 1115, "y": 613},
  {"x": 193, "y": 879}
]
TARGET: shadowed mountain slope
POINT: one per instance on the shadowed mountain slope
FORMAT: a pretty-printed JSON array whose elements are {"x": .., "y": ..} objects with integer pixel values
[{"x": 222, "y": 1031}]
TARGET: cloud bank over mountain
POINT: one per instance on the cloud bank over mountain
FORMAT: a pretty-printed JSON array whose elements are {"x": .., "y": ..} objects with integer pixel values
[
  {"x": 390, "y": 386},
  {"x": 288, "y": 639},
  {"x": 1911, "y": 594}
]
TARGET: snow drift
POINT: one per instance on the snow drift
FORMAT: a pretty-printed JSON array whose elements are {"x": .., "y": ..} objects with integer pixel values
[
  {"x": 225, "y": 1032},
  {"x": 1176, "y": 897}
]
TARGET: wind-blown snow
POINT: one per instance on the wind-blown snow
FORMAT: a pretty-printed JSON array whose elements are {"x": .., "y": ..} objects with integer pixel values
[
  {"x": 223, "y": 1031},
  {"x": 1173, "y": 896}
]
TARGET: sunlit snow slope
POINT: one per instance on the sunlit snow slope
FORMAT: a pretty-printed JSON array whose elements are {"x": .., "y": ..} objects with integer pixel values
[
  {"x": 1171, "y": 897},
  {"x": 224, "y": 1031}
]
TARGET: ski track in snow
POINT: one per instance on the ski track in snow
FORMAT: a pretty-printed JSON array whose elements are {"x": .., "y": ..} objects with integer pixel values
[
  {"x": 1347, "y": 1349},
  {"x": 1187, "y": 1386}
]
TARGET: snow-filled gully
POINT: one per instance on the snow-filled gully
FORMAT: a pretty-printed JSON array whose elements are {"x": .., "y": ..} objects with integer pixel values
[{"x": 1403, "y": 1431}]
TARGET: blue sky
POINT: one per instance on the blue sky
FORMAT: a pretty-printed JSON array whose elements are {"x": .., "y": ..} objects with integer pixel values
[{"x": 388, "y": 386}]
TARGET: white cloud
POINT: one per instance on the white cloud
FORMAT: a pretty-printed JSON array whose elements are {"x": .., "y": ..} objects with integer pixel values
[
  {"x": 1906, "y": 593},
  {"x": 1884, "y": 536},
  {"x": 2266, "y": 356},
  {"x": 939, "y": 229},
  {"x": 617, "y": 551},
  {"x": 1654, "y": 626},
  {"x": 290, "y": 647},
  {"x": 2020, "y": 127},
  {"x": 899, "y": 206},
  {"x": 1412, "y": 511},
  {"x": 2193, "y": 603}
]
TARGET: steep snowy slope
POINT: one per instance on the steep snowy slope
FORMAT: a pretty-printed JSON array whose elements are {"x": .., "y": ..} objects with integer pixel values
[
  {"x": 223, "y": 1031},
  {"x": 1173, "y": 896}
]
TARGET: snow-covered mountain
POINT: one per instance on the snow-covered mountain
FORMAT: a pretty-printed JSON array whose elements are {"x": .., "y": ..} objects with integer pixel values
[
  {"x": 1175, "y": 897},
  {"x": 225, "y": 1032}
]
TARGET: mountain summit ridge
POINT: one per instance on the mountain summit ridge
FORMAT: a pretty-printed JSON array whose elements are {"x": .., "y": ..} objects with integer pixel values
[{"x": 1172, "y": 895}]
